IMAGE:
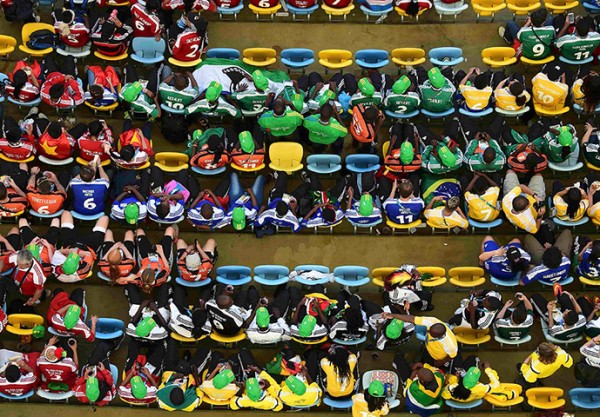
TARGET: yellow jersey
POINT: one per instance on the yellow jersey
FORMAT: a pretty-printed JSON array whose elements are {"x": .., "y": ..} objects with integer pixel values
[
  {"x": 548, "y": 94},
  {"x": 441, "y": 347},
  {"x": 336, "y": 386},
  {"x": 594, "y": 211},
  {"x": 561, "y": 208},
  {"x": 436, "y": 218},
  {"x": 576, "y": 93},
  {"x": 223, "y": 394},
  {"x": 526, "y": 219},
  {"x": 360, "y": 408},
  {"x": 507, "y": 101},
  {"x": 476, "y": 99},
  {"x": 477, "y": 392},
  {"x": 535, "y": 369},
  {"x": 483, "y": 208}
]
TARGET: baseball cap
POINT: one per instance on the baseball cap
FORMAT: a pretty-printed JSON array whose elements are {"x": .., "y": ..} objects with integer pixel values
[
  {"x": 223, "y": 378},
  {"x": 253, "y": 389},
  {"x": 365, "y": 206},
  {"x": 262, "y": 317},
  {"x": 92, "y": 389},
  {"x": 72, "y": 316},
  {"x": 366, "y": 87},
  {"x": 38, "y": 331},
  {"x": 401, "y": 85},
  {"x": 34, "y": 249},
  {"x": 71, "y": 264},
  {"x": 298, "y": 101},
  {"x": 327, "y": 95},
  {"x": 213, "y": 91},
  {"x": 138, "y": 388},
  {"x": 394, "y": 329},
  {"x": 376, "y": 389},
  {"x": 407, "y": 152},
  {"x": 132, "y": 211},
  {"x": 131, "y": 91},
  {"x": 196, "y": 134},
  {"x": 260, "y": 81},
  {"x": 246, "y": 141},
  {"x": 447, "y": 158},
  {"x": 145, "y": 326},
  {"x": 513, "y": 254},
  {"x": 471, "y": 378},
  {"x": 192, "y": 262},
  {"x": 307, "y": 325},
  {"x": 565, "y": 137},
  {"x": 436, "y": 78},
  {"x": 295, "y": 385},
  {"x": 238, "y": 218}
]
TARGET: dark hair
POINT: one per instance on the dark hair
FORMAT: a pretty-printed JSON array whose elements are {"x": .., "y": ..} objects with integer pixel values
[
  {"x": 519, "y": 315},
  {"x": 480, "y": 81},
  {"x": 216, "y": 146},
  {"x": 67, "y": 16},
  {"x": 127, "y": 153},
  {"x": 12, "y": 373},
  {"x": 494, "y": 303},
  {"x": 328, "y": 214},
  {"x": 87, "y": 173},
  {"x": 374, "y": 403},
  {"x": 12, "y": 133},
  {"x": 538, "y": 17},
  {"x": 532, "y": 160},
  {"x": 338, "y": 356},
  {"x": 591, "y": 90},
  {"x": 96, "y": 90},
  {"x": 413, "y": 8},
  {"x": 281, "y": 208},
  {"x": 19, "y": 80},
  {"x": 595, "y": 252},
  {"x": 162, "y": 210},
  {"x": 552, "y": 257},
  {"x": 516, "y": 89},
  {"x": 56, "y": 91},
  {"x": 582, "y": 27},
  {"x": 554, "y": 72},
  {"x": 327, "y": 110},
  {"x": 460, "y": 392},
  {"x": 44, "y": 185},
  {"x": 515, "y": 260},
  {"x": 520, "y": 203},
  {"x": 95, "y": 128},
  {"x": 54, "y": 130},
  {"x": 278, "y": 107},
  {"x": 152, "y": 5},
  {"x": 489, "y": 155},
  {"x": 107, "y": 30},
  {"x": 405, "y": 188},
  {"x": 176, "y": 396},
  {"x": 180, "y": 81},
  {"x": 353, "y": 315},
  {"x": 573, "y": 198},
  {"x": 571, "y": 318},
  {"x": 370, "y": 114}
]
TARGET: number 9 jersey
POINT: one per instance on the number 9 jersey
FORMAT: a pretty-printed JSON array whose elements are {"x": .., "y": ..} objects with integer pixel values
[{"x": 89, "y": 198}]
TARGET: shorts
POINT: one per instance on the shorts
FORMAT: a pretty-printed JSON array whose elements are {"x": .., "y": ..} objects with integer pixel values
[
  {"x": 27, "y": 235},
  {"x": 71, "y": 237},
  {"x": 144, "y": 247}
]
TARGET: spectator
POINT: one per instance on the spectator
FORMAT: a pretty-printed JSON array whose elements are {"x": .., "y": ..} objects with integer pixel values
[
  {"x": 481, "y": 196},
  {"x": 102, "y": 85},
  {"x": 67, "y": 312},
  {"x": 93, "y": 139},
  {"x": 55, "y": 143},
  {"x": 558, "y": 142},
  {"x": 550, "y": 88},
  {"x": 208, "y": 149},
  {"x": 340, "y": 369},
  {"x": 423, "y": 385},
  {"x": 571, "y": 203},
  {"x": 440, "y": 156},
  {"x": 72, "y": 32},
  {"x": 367, "y": 94},
  {"x": 96, "y": 386},
  {"x": 178, "y": 90},
  {"x": 228, "y": 316},
  {"x": 89, "y": 188},
  {"x": 510, "y": 94},
  {"x": 15, "y": 144},
  {"x": 588, "y": 257},
  {"x": 168, "y": 199},
  {"x": 280, "y": 123},
  {"x": 142, "y": 373},
  {"x": 195, "y": 261},
  {"x": 58, "y": 365},
  {"x": 483, "y": 153},
  {"x": 281, "y": 207},
  {"x": 366, "y": 122},
  {"x": 247, "y": 151},
  {"x": 19, "y": 374},
  {"x": 549, "y": 256},
  {"x": 326, "y": 129},
  {"x": 542, "y": 363},
  {"x": 563, "y": 317},
  {"x": 406, "y": 208},
  {"x": 28, "y": 275},
  {"x": 188, "y": 37},
  {"x": 515, "y": 323},
  {"x": 591, "y": 145},
  {"x": 477, "y": 311},
  {"x": 134, "y": 147},
  {"x": 25, "y": 81},
  {"x": 208, "y": 209},
  {"x": 580, "y": 44},
  {"x": 110, "y": 35},
  {"x": 403, "y": 97},
  {"x": 212, "y": 102},
  {"x": 116, "y": 260},
  {"x": 585, "y": 91},
  {"x": 243, "y": 204},
  {"x": 146, "y": 22},
  {"x": 436, "y": 89},
  {"x": 521, "y": 204},
  {"x": 535, "y": 38},
  {"x": 372, "y": 402},
  {"x": 61, "y": 89},
  {"x": 446, "y": 216},
  {"x": 140, "y": 96},
  {"x": 503, "y": 262},
  {"x": 475, "y": 90}
]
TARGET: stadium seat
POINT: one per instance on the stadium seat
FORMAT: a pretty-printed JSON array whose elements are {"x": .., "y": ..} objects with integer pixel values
[
  {"x": 437, "y": 115},
  {"x": 579, "y": 110},
  {"x": 536, "y": 62},
  {"x": 352, "y": 342},
  {"x": 550, "y": 113},
  {"x": 371, "y": 58},
  {"x": 337, "y": 13},
  {"x": 351, "y": 275},
  {"x": 259, "y": 57},
  {"x": 466, "y": 276},
  {"x": 310, "y": 282},
  {"x": 223, "y": 53},
  {"x": 385, "y": 376},
  {"x": 469, "y": 405},
  {"x": 271, "y": 275},
  {"x": 545, "y": 398},
  {"x": 228, "y": 340},
  {"x": 171, "y": 161},
  {"x": 286, "y": 156},
  {"x": 23, "y": 324},
  {"x": 55, "y": 396},
  {"x": 168, "y": 109},
  {"x": 506, "y": 403},
  {"x": 300, "y": 14},
  {"x": 512, "y": 113},
  {"x": 576, "y": 62},
  {"x": 264, "y": 13},
  {"x": 335, "y": 59},
  {"x": 522, "y": 7},
  {"x": 44, "y": 215},
  {"x": 362, "y": 163},
  {"x": 591, "y": 282},
  {"x": 378, "y": 275},
  {"x": 148, "y": 51},
  {"x": 337, "y": 404},
  {"x": 438, "y": 276},
  {"x": 193, "y": 284},
  {"x": 408, "y": 57},
  {"x": 26, "y": 31},
  {"x": 109, "y": 58},
  {"x": 403, "y": 14},
  {"x": 401, "y": 116},
  {"x": 230, "y": 11},
  {"x": 14, "y": 161},
  {"x": 476, "y": 114},
  {"x": 86, "y": 217},
  {"x": 508, "y": 283},
  {"x": 234, "y": 275},
  {"x": 560, "y": 6},
  {"x": 554, "y": 340},
  {"x": 209, "y": 172},
  {"x": 24, "y": 397},
  {"x": 80, "y": 52},
  {"x": 449, "y": 9},
  {"x": 499, "y": 56},
  {"x": 591, "y": 8},
  {"x": 184, "y": 64},
  {"x": 191, "y": 340},
  {"x": 478, "y": 225},
  {"x": 310, "y": 342},
  {"x": 377, "y": 14},
  {"x": 446, "y": 56},
  {"x": 486, "y": 8},
  {"x": 21, "y": 104},
  {"x": 586, "y": 398},
  {"x": 370, "y": 226},
  {"x": 471, "y": 337},
  {"x": 7, "y": 45},
  {"x": 102, "y": 109},
  {"x": 109, "y": 328},
  {"x": 297, "y": 58},
  {"x": 409, "y": 228},
  {"x": 563, "y": 282},
  {"x": 324, "y": 163},
  {"x": 510, "y": 342}
]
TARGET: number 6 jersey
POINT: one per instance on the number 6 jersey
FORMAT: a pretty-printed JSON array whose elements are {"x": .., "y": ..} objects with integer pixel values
[{"x": 89, "y": 197}]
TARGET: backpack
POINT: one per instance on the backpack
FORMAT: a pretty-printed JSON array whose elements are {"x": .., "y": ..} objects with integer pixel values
[
  {"x": 174, "y": 127},
  {"x": 42, "y": 39}
]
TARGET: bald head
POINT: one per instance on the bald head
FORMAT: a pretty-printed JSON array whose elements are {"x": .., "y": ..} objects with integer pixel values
[
  {"x": 224, "y": 301},
  {"x": 437, "y": 330},
  {"x": 425, "y": 376}
]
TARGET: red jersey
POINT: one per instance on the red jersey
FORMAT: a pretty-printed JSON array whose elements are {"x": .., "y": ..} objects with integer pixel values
[
  {"x": 247, "y": 160},
  {"x": 102, "y": 75},
  {"x": 144, "y": 23},
  {"x": 28, "y": 380},
  {"x": 63, "y": 371},
  {"x": 158, "y": 266},
  {"x": 34, "y": 280},
  {"x": 302, "y": 4},
  {"x": 3, "y": 319},
  {"x": 206, "y": 160},
  {"x": 360, "y": 129},
  {"x": 227, "y": 4},
  {"x": 58, "y": 149},
  {"x": 36, "y": 69},
  {"x": 102, "y": 375},
  {"x": 187, "y": 47},
  {"x": 200, "y": 275},
  {"x": 45, "y": 203},
  {"x": 79, "y": 34},
  {"x": 199, "y": 5},
  {"x": 18, "y": 151},
  {"x": 264, "y": 4},
  {"x": 72, "y": 96},
  {"x": 28, "y": 92},
  {"x": 337, "y": 4},
  {"x": 89, "y": 148}
]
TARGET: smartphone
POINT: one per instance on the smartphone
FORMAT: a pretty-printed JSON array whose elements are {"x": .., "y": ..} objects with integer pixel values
[{"x": 571, "y": 18}]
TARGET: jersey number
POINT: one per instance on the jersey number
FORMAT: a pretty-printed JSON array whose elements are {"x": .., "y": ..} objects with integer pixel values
[
  {"x": 582, "y": 55},
  {"x": 43, "y": 210},
  {"x": 405, "y": 218},
  {"x": 264, "y": 3},
  {"x": 89, "y": 204},
  {"x": 139, "y": 25},
  {"x": 194, "y": 51},
  {"x": 545, "y": 98},
  {"x": 176, "y": 106},
  {"x": 538, "y": 49}
]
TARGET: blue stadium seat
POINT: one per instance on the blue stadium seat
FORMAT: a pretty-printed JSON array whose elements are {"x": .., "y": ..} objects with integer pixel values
[
  {"x": 586, "y": 398},
  {"x": 354, "y": 342},
  {"x": 371, "y": 58},
  {"x": 351, "y": 275},
  {"x": 375, "y": 13},
  {"x": 297, "y": 58},
  {"x": 234, "y": 275},
  {"x": 23, "y": 397},
  {"x": 216, "y": 171},
  {"x": 193, "y": 284},
  {"x": 109, "y": 328},
  {"x": 446, "y": 56},
  {"x": 271, "y": 275},
  {"x": 437, "y": 115},
  {"x": 302, "y": 11},
  {"x": 455, "y": 405},
  {"x": 336, "y": 404},
  {"x": 591, "y": 8},
  {"x": 45, "y": 216},
  {"x": 475, "y": 114},
  {"x": 86, "y": 217},
  {"x": 505, "y": 282},
  {"x": 401, "y": 115},
  {"x": 223, "y": 53},
  {"x": 576, "y": 62},
  {"x": 230, "y": 11},
  {"x": 320, "y": 268},
  {"x": 147, "y": 50},
  {"x": 324, "y": 163},
  {"x": 362, "y": 163}
]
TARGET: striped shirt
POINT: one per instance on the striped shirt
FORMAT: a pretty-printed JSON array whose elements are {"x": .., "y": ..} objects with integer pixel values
[
  {"x": 526, "y": 219},
  {"x": 442, "y": 347}
]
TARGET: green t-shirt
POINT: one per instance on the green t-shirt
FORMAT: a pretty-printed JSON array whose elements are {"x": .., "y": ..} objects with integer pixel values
[
  {"x": 576, "y": 48},
  {"x": 437, "y": 100},
  {"x": 430, "y": 162},
  {"x": 143, "y": 103},
  {"x": 474, "y": 157},
  {"x": 220, "y": 108},
  {"x": 251, "y": 100},
  {"x": 359, "y": 98},
  {"x": 176, "y": 99},
  {"x": 549, "y": 146},
  {"x": 201, "y": 140},
  {"x": 402, "y": 103},
  {"x": 283, "y": 125},
  {"x": 536, "y": 43},
  {"x": 324, "y": 134}
]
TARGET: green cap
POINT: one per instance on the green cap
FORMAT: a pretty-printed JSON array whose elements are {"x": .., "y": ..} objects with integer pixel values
[
  {"x": 295, "y": 385},
  {"x": 376, "y": 389},
  {"x": 196, "y": 134},
  {"x": 138, "y": 388},
  {"x": 71, "y": 264},
  {"x": 72, "y": 316},
  {"x": 307, "y": 325},
  {"x": 246, "y": 141},
  {"x": 253, "y": 389},
  {"x": 132, "y": 211},
  {"x": 565, "y": 137},
  {"x": 471, "y": 378},
  {"x": 407, "y": 152},
  {"x": 38, "y": 331},
  {"x": 131, "y": 91},
  {"x": 366, "y": 87},
  {"x": 447, "y": 158},
  {"x": 401, "y": 85},
  {"x": 260, "y": 81},
  {"x": 263, "y": 318},
  {"x": 92, "y": 390},
  {"x": 223, "y": 378},
  {"x": 213, "y": 91},
  {"x": 238, "y": 218},
  {"x": 394, "y": 329},
  {"x": 436, "y": 78},
  {"x": 365, "y": 206},
  {"x": 298, "y": 102},
  {"x": 145, "y": 326},
  {"x": 35, "y": 250},
  {"x": 327, "y": 95}
]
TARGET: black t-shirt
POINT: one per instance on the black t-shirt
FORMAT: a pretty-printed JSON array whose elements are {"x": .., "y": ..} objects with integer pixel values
[{"x": 227, "y": 322}]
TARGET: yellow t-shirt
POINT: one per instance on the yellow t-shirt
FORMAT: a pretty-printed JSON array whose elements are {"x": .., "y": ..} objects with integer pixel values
[
  {"x": 223, "y": 394},
  {"x": 436, "y": 218},
  {"x": 477, "y": 392},
  {"x": 535, "y": 369},
  {"x": 561, "y": 208},
  {"x": 337, "y": 387},
  {"x": 549, "y": 94},
  {"x": 483, "y": 208},
  {"x": 269, "y": 400},
  {"x": 525, "y": 220},
  {"x": 312, "y": 396},
  {"x": 576, "y": 92},
  {"x": 438, "y": 348},
  {"x": 594, "y": 211},
  {"x": 360, "y": 408},
  {"x": 506, "y": 101},
  {"x": 476, "y": 99}
]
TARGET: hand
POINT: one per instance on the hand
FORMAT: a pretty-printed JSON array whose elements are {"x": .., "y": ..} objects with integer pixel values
[
  {"x": 52, "y": 341},
  {"x": 550, "y": 306},
  {"x": 509, "y": 303},
  {"x": 29, "y": 302},
  {"x": 69, "y": 77},
  {"x": 589, "y": 127},
  {"x": 35, "y": 170},
  {"x": 520, "y": 296},
  {"x": 386, "y": 316},
  {"x": 101, "y": 366},
  {"x": 94, "y": 320},
  {"x": 73, "y": 345}
]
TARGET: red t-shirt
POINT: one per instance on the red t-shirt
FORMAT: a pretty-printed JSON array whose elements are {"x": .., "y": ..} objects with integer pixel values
[
  {"x": 34, "y": 280},
  {"x": 79, "y": 35},
  {"x": 337, "y": 4},
  {"x": 57, "y": 149},
  {"x": 19, "y": 151},
  {"x": 227, "y": 4},
  {"x": 28, "y": 380},
  {"x": 145, "y": 24},
  {"x": 264, "y": 4},
  {"x": 187, "y": 46},
  {"x": 302, "y": 4},
  {"x": 63, "y": 371}
]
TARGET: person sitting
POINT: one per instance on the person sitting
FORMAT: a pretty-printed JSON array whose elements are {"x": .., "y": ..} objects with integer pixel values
[
  {"x": 413, "y": 8},
  {"x": 510, "y": 93},
  {"x": 362, "y": 211},
  {"x": 116, "y": 260},
  {"x": 15, "y": 144},
  {"x": 326, "y": 129},
  {"x": 102, "y": 85},
  {"x": 298, "y": 390},
  {"x": 588, "y": 257},
  {"x": 481, "y": 196},
  {"x": 89, "y": 187},
  {"x": 55, "y": 143},
  {"x": 534, "y": 40},
  {"x": 309, "y": 320},
  {"x": 129, "y": 206},
  {"x": 466, "y": 386},
  {"x": 72, "y": 32},
  {"x": 339, "y": 367},
  {"x": 549, "y": 88},
  {"x": 521, "y": 204},
  {"x": 188, "y": 37},
  {"x": 436, "y": 89},
  {"x": 570, "y": 203},
  {"x": 255, "y": 93},
  {"x": 67, "y": 312},
  {"x": 257, "y": 392},
  {"x": 93, "y": 139},
  {"x": 247, "y": 151},
  {"x": 61, "y": 89},
  {"x": 111, "y": 34},
  {"x": 542, "y": 363},
  {"x": 280, "y": 123},
  {"x": 168, "y": 199},
  {"x": 195, "y": 261},
  {"x": 319, "y": 207},
  {"x": 585, "y": 92},
  {"x": 388, "y": 332},
  {"x": 366, "y": 122},
  {"x": 447, "y": 216},
  {"x": 475, "y": 90},
  {"x": 58, "y": 365},
  {"x": 243, "y": 203},
  {"x": 178, "y": 389},
  {"x": 440, "y": 156},
  {"x": 372, "y": 402},
  {"x": 142, "y": 372},
  {"x": 335, "y": 4},
  {"x": 319, "y": 92},
  {"x": 212, "y": 102},
  {"x": 134, "y": 147},
  {"x": 483, "y": 153},
  {"x": 208, "y": 209},
  {"x": 41, "y": 248},
  {"x": 178, "y": 90},
  {"x": 13, "y": 200},
  {"x": 148, "y": 313},
  {"x": 267, "y": 322},
  {"x": 423, "y": 386},
  {"x": 580, "y": 44},
  {"x": 503, "y": 262},
  {"x": 590, "y": 308},
  {"x": 19, "y": 374},
  {"x": 407, "y": 207},
  {"x": 590, "y": 143},
  {"x": 366, "y": 93},
  {"x": 558, "y": 142},
  {"x": 229, "y": 316},
  {"x": 403, "y": 290},
  {"x": 281, "y": 207},
  {"x": 377, "y": 6},
  {"x": 349, "y": 320},
  {"x": 477, "y": 311},
  {"x": 403, "y": 97},
  {"x": 565, "y": 321},
  {"x": 145, "y": 20},
  {"x": 549, "y": 256},
  {"x": 587, "y": 369},
  {"x": 220, "y": 381},
  {"x": 96, "y": 386},
  {"x": 208, "y": 149},
  {"x": 515, "y": 323},
  {"x": 25, "y": 81}
]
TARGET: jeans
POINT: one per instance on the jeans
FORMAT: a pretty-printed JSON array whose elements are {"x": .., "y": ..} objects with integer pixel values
[{"x": 236, "y": 190}]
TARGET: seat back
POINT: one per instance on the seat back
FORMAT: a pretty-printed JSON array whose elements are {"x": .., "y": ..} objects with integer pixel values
[
  {"x": 466, "y": 273},
  {"x": 321, "y": 268},
  {"x": 451, "y": 52},
  {"x": 585, "y": 395},
  {"x": 224, "y": 53},
  {"x": 25, "y": 320},
  {"x": 436, "y": 271},
  {"x": 259, "y": 54},
  {"x": 335, "y": 55},
  {"x": 408, "y": 54},
  {"x": 351, "y": 272},
  {"x": 272, "y": 271},
  {"x": 544, "y": 394},
  {"x": 286, "y": 154},
  {"x": 371, "y": 55},
  {"x": 29, "y": 28},
  {"x": 324, "y": 160},
  {"x": 297, "y": 54},
  {"x": 172, "y": 159},
  {"x": 362, "y": 160},
  {"x": 499, "y": 53},
  {"x": 148, "y": 47},
  {"x": 487, "y": 3},
  {"x": 234, "y": 272},
  {"x": 521, "y": 3},
  {"x": 6, "y": 41}
]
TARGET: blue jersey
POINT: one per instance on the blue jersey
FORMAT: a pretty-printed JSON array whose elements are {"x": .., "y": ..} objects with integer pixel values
[
  {"x": 195, "y": 217},
  {"x": 176, "y": 210},
  {"x": 587, "y": 268},
  {"x": 316, "y": 220},
  {"x": 117, "y": 210},
  {"x": 549, "y": 276},
  {"x": 249, "y": 210},
  {"x": 354, "y": 217},
  {"x": 269, "y": 216},
  {"x": 403, "y": 212},
  {"x": 89, "y": 197},
  {"x": 499, "y": 266}
]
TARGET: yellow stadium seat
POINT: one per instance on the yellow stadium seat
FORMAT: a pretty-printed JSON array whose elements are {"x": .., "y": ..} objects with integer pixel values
[
  {"x": 97, "y": 109},
  {"x": 487, "y": 8},
  {"x": 335, "y": 59},
  {"x": 498, "y": 57},
  {"x": 259, "y": 57},
  {"x": 586, "y": 281},
  {"x": 184, "y": 64},
  {"x": 264, "y": 11},
  {"x": 408, "y": 57},
  {"x": 82, "y": 161},
  {"x": 286, "y": 156},
  {"x": 332, "y": 11},
  {"x": 121, "y": 57},
  {"x": 593, "y": 168},
  {"x": 182, "y": 339},
  {"x": 5, "y": 214},
  {"x": 403, "y": 227},
  {"x": 545, "y": 398},
  {"x": 543, "y": 61},
  {"x": 379, "y": 274},
  {"x": 506, "y": 403},
  {"x": 23, "y": 324},
  {"x": 7, "y": 45},
  {"x": 438, "y": 278},
  {"x": 466, "y": 276},
  {"x": 242, "y": 169},
  {"x": 171, "y": 161},
  {"x": 26, "y": 31},
  {"x": 560, "y": 6},
  {"x": 219, "y": 403},
  {"x": 522, "y": 7},
  {"x": 472, "y": 337},
  {"x": 310, "y": 342},
  {"x": 228, "y": 340},
  {"x": 7, "y": 159},
  {"x": 403, "y": 14},
  {"x": 550, "y": 113}
]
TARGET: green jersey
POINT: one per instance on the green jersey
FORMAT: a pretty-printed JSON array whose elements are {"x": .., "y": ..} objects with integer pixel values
[
  {"x": 203, "y": 138},
  {"x": 177, "y": 99},
  {"x": 474, "y": 156},
  {"x": 536, "y": 43},
  {"x": 251, "y": 101},
  {"x": 288, "y": 93},
  {"x": 510, "y": 331},
  {"x": 313, "y": 103},
  {"x": 359, "y": 98},
  {"x": 576, "y": 48},
  {"x": 283, "y": 125},
  {"x": 142, "y": 103},
  {"x": 402, "y": 103},
  {"x": 324, "y": 134},
  {"x": 220, "y": 108},
  {"x": 431, "y": 163},
  {"x": 549, "y": 146},
  {"x": 437, "y": 100}
]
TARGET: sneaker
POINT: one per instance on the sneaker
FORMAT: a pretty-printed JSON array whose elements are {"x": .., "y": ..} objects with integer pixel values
[
  {"x": 501, "y": 32},
  {"x": 304, "y": 176},
  {"x": 557, "y": 288},
  {"x": 34, "y": 110},
  {"x": 42, "y": 116}
]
